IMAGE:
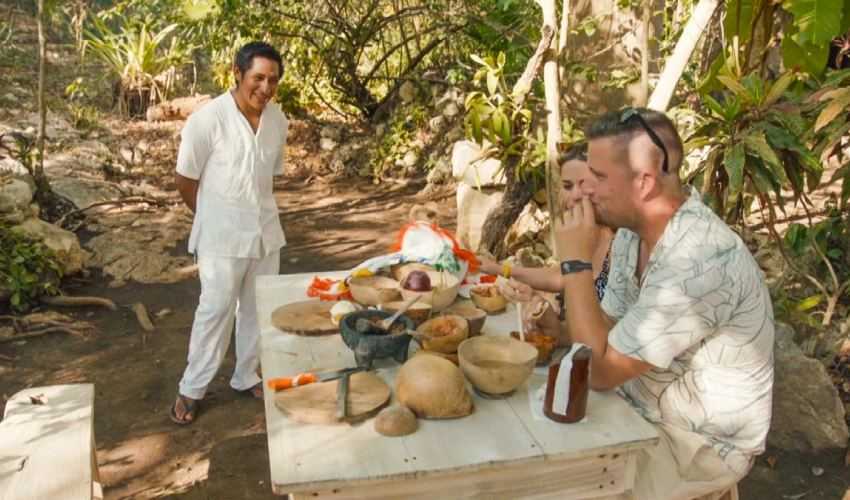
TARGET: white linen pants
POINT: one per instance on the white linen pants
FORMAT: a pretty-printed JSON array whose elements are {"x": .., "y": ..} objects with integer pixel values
[
  {"x": 227, "y": 291},
  {"x": 683, "y": 466}
]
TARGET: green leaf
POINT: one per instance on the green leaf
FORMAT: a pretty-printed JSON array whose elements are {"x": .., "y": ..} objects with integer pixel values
[
  {"x": 804, "y": 56},
  {"x": 492, "y": 82},
  {"x": 779, "y": 87},
  {"x": 733, "y": 160},
  {"x": 758, "y": 146},
  {"x": 739, "y": 90},
  {"x": 818, "y": 21},
  {"x": 478, "y": 59},
  {"x": 739, "y": 18},
  {"x": 809, "y": 303},
  {"x": 796, "y": 237}
]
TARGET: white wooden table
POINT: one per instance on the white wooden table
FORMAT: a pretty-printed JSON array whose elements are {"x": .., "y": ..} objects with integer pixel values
[{"x": 502, "y": 450}]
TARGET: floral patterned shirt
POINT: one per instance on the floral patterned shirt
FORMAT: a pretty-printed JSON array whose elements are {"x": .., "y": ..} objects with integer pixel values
[{"x": 702, "y": 316}]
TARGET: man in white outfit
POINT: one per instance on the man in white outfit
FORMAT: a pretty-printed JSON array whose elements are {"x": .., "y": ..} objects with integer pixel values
[{"x": 229, "y": 152}]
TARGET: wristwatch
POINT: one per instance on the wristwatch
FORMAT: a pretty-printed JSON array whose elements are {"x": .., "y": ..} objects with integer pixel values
[{"x": 574, "y": 266}]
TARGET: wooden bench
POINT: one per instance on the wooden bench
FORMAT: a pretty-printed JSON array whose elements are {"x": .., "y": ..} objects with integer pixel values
[{"x": 47, "y": 448}]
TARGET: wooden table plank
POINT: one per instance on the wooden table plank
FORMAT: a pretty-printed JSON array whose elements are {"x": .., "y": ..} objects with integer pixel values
[
  {"x": 47, "y": 448},
  {"x": 499, "y": 435}
]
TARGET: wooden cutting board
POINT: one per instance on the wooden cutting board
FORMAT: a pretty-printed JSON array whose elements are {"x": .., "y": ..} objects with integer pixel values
[
  {"x": 308, "y": 317},
  {"x": 316, "y": 403}
]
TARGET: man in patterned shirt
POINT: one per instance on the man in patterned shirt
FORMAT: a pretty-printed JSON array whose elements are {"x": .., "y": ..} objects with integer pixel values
[{"x": 685, "y": 331}]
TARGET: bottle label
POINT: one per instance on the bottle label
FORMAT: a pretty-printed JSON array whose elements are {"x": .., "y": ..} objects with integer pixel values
[{"x": 561, "y": 401}]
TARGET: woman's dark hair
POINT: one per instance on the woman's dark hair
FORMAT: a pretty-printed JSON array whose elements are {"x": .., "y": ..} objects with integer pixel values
[
  {"x": 577, "y": 151},
  {"x": 245, "y": 56}
]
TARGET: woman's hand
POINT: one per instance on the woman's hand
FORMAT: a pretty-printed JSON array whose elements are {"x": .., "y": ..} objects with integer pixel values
[
  {"x": 487, "y": 265},
  {"x": 538, "y": 315},
  {"x": 513, "y": 290}
]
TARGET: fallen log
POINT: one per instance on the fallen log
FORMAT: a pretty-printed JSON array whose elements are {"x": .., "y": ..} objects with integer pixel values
[
  {"x": 142, "y": 316},
  {"x": 39, "y": 333},
  {"x": 66, "y": 301}
]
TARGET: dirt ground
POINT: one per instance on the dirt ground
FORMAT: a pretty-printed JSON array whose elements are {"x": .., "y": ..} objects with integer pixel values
[{"x": 224, "y": 455}]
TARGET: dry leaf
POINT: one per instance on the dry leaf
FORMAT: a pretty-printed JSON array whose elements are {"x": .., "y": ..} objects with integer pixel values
[
  {"x": 38, "y": 399},
  {"x": 771, "y": 461},
  {"x": 817, "y": 471}
]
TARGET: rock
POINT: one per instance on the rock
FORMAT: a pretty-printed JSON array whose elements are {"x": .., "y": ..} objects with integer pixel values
[
  {"x": 176, "y": 109},
  {"x": 410, "y": 159},
  {"x": 64, "y": 243},
  {"x": 807, "y": 412},
  {"x": 327, "y": 144},
  {"x": 84, "y": 155},
  {"x": 128, "y": 155},
  {"x": 15, "y": 196},
  {"x": 407, "y": 92},
  {"x": 437, "y": 123},
  {"x": 144, "y": 253},
  {"x": 451, "y": 110},
  {"x": 526, "y": 257},
  {"x": 440, "y": 173},
  {"x": 331, "y": 132},
  {"x": 468, "y": 168},
  {"x": 472, "y": 209},
  {"x": 12, "y": 165},
  {"x": 84, "y": 192},
  {"x": 527, "y": 229}
]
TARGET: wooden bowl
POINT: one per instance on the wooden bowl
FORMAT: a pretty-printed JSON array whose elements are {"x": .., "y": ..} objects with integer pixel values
[
  {"x": 488, "y": 298},
  {"x": 445, "y": 333},
  {"x": 474, "y": 316},
  {"x": 418, "y": 312},
  {"x": 544, "y": 344},
  {"x": 444, "y": 287},
  {"x": 496, "y": 365},
  {"x": 373, "y": 290}
]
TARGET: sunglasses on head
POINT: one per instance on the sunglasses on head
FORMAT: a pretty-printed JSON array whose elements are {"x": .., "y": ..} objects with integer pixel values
[{"x": 632, "y": 113}]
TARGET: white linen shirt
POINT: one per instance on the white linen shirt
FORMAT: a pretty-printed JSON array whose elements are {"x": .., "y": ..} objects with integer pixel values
[
  {"x": 702, "y": 316},
  {"x": 235, "y": 214}
]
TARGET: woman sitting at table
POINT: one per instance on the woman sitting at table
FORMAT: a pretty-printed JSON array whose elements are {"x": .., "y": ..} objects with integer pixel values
[{"x": 524, "y": 281}]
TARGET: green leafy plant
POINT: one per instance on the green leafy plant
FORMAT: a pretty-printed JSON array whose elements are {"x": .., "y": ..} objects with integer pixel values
[
  {"x": 496, "y": 119},
  {"x": 819, "y": 251},
  {"x": 754, "y": 138},
  {"x": 831, "y": 104},
  {"x": 28, "y": 269},
  {"x": 84, "y": 117},
  {"x": 143, "y": 59}
]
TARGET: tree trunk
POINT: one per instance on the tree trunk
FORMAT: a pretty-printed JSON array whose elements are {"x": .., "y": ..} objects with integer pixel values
[
  {"x": 553, "y": 112},
  {"x": 517, "y": 192},
  {"x": 562, "y": 35},
  {"x": 675, "y": 65},
  {"x": 646, "y": 19},
  {"x": 42, "y": 185},
  {"x": 500, "y": 219}
]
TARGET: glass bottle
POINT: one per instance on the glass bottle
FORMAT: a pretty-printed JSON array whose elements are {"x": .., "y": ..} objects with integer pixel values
[{"x": 579, "y": 387}]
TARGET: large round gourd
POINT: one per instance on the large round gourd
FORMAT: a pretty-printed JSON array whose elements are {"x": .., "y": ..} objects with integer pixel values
[{"x": 433, "y": 387}]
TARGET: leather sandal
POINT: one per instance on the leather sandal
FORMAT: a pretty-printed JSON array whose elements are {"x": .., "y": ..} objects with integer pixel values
[
  {"x": 255, "y": 391},
  {"x": 190, "y": 410}
]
